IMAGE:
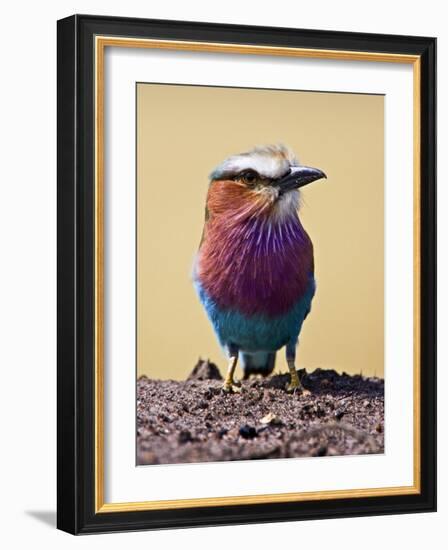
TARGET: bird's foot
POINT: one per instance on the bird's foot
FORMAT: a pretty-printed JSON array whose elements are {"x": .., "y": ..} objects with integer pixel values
[
  {"x": 230, "y": 386},
  {"x": 296, "y": 385},
  {"x": 293, "y": 387}
]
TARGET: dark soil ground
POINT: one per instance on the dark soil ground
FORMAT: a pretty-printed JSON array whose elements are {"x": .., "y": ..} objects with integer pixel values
[{"x": 195, "y": 421}]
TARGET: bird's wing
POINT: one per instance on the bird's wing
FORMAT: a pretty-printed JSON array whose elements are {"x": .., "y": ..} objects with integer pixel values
[{"x": 206, "y": 218}]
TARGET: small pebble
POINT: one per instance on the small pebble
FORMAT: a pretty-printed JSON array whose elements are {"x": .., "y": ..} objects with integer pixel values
[
  {"x": 271, "y": 418},
  {"x": 185, "y": 436},
  {"x": 248, "y": 432},
  {"x": 321, "y": 451}
]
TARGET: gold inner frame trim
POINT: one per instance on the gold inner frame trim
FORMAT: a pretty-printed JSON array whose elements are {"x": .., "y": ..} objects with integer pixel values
[{"x": 101, "y": 42}]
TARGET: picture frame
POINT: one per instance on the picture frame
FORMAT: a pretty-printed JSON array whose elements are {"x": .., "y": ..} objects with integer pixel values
[{"x": 82, "y": 74}]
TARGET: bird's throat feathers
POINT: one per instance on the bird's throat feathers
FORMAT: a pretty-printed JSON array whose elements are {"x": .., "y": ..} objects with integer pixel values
[{"x": 255, "y": 256}]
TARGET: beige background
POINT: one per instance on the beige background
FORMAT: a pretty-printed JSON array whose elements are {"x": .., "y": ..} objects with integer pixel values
[{"x": 182, "y": 133}]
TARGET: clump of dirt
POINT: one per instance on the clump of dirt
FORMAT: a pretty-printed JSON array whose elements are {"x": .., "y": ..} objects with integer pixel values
[
  {"x": 205, "y": 370},
  {"x": 196, "y": 421}
]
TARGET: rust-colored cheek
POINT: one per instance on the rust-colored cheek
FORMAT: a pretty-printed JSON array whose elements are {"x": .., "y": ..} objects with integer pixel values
[{"x": 226, "y": 196}]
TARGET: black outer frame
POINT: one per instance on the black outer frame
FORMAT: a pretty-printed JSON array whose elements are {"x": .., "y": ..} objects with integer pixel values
[{"x": 75, "y": 385}]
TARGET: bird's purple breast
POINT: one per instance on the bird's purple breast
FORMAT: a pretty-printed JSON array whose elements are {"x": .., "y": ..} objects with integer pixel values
[{"x": 257, "y": 266}]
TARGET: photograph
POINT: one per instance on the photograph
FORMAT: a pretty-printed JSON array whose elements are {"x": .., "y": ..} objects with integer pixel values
[
  {"x": 246, "y": 274},
  {"x": 259, "y": 274},
  {"x": 219, "y": 293}
]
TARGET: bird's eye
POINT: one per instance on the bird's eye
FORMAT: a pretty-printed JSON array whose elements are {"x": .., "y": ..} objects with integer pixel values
[{"x": 249, "y": 177}]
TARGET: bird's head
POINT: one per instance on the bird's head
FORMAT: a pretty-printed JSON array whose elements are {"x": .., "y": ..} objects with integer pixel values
[{"x": 262, "y": 182}]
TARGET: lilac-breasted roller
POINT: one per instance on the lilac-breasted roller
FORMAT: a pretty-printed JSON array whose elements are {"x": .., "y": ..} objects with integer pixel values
[{"x": 254, "y": 270}]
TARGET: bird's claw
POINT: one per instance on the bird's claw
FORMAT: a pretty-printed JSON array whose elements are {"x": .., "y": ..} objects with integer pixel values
[
  {"x": 294, "y": 387},
  {"x": 231, "y": 387}
]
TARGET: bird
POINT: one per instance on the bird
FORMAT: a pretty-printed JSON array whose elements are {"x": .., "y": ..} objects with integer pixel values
[{"x": 254, "y": 269}]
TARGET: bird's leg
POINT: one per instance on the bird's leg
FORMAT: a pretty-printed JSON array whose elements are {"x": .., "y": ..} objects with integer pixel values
[
  {"x": 295, "y": 383},
  {"x": 229, "y": 383}
]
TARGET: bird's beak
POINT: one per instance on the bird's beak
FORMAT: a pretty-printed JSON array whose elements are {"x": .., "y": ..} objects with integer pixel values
[{"x": 298, "y": 177}]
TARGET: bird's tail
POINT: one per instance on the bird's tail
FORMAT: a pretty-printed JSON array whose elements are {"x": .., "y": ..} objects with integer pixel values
[{"x": 259, "y": 362}]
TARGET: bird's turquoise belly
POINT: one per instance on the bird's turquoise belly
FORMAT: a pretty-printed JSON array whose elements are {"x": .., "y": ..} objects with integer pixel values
[{"x": 258, "y": 332}]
